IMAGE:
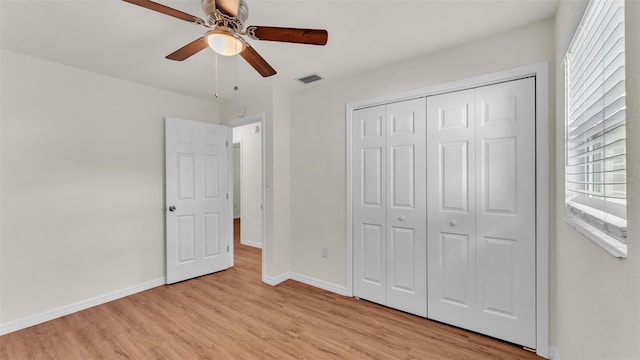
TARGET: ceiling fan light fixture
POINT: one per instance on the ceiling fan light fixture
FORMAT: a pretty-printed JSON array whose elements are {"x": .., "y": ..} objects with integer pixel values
[{"x": 224, "y": 42}]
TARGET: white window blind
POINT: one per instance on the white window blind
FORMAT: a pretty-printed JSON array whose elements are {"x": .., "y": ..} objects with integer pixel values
[{"x": 595, "y": 171}]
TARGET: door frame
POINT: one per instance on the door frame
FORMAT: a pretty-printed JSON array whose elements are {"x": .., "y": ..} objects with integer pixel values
[
  {"x": 542, "y": 182},
  {"x": 233, "y": 148},
  {"x": 252, "y": 119}
]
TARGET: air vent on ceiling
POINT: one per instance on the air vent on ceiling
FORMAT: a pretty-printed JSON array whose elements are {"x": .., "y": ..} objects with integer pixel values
[{"x": 310, "y": 78}]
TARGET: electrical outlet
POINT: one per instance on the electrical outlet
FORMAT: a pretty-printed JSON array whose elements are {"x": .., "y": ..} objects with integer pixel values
[{"x": 325, "y": 252}]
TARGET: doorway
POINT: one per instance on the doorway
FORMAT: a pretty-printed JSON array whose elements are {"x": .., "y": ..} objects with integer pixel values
[
  {"x": 247, "y": 196},
  {"x": 248, "y": 184}
]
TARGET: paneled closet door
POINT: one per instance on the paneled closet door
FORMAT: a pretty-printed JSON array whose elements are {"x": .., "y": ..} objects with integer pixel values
[
  {"x": 389, "y": 205},
  {"x": 505, "y": 215},
  {"x": 369, "y": 204},
  {"x": 451, "y": 208},
  {"x": 481, "y": 218},
  {"x": 406, "y": 207}
]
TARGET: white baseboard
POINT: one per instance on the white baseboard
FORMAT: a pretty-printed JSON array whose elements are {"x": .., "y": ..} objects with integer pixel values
[
  {"x": 251, "y": 243},
  {"x": 321, "y": 284},
  {"x": 553, "y": 354},
  {"x": 325, "y": 285},
  {"x": 275, "y": 280},
  {"x": 78, "y": 306}
]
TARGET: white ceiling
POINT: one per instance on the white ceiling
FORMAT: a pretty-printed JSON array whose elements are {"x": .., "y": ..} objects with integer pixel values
[{"x": 122, "y": 40}]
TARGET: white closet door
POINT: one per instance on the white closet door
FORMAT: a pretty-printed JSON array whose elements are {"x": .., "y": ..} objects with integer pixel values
[
  {"x": 505, "y": 216},
  {"x": 451, "y": 208},
  {"x": 389, "y": 205},
  {"x": 481, "y": 217},
  {"x": 369, "y": 204},
  {"x": 406, "y": 210}
]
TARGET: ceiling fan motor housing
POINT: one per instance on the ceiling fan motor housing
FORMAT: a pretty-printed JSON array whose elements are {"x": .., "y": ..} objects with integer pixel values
[{"x": 220, "y": 18}]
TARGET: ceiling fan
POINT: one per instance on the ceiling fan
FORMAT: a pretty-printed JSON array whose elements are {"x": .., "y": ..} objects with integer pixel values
[{"x": 225, "y": 20}]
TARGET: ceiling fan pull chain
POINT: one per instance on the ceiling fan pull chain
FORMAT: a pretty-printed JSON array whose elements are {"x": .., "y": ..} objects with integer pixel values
[
  {"x": 235, "y": 86},
  {"x": 215, "y": 80}
]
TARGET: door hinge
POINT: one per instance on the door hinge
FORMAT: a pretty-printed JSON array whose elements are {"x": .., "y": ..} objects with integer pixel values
[
  {"x": 227, "y": 196},
  {"x": 227, "y": 142},
  {"x": 227, "y": 248}
]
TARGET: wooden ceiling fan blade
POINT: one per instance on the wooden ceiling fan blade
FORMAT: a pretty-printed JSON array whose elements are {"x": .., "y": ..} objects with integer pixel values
[
  {"x": 166, "y": 10},
  {"x": 258, "y": 62},
  {"x": 188, "y": 50},
  {"x": 228, "y": 7},
  {"x": 291, "y": 35}
]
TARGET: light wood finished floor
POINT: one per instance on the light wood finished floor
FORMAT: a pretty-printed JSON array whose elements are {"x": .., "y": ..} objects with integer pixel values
[{"x": 233, "y": 315}]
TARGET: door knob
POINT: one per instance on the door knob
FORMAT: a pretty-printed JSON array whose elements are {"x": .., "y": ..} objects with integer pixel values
[
  {"x": 453, "y": 222},
  {"x": 401, "y": 217},
  {"x": 172, "y": 208}
]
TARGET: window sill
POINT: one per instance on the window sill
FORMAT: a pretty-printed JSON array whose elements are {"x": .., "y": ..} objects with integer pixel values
[{"x": 612, "y": 246}]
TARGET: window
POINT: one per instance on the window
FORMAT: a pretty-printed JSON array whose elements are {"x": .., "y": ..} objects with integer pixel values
[{"x": 595, "y": 168}]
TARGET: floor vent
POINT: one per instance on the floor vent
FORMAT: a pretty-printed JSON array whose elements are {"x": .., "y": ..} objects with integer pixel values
[{"x": 310, "y": 78}]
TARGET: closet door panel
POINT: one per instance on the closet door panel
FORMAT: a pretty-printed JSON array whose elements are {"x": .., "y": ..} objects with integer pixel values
[
  {"x": 505, "y": 157},
  {"x": 403, "y": 247},
  {"x": 451, "y": 208},
  {"x": 453, "y": 180},
  {"x": 369, "y": 204},
  {"x": 402, "y": 169},
  {"x": 406, "y": 211},
  {"x": 371, "y": 175},
  {"x": 371, "y": 248}
]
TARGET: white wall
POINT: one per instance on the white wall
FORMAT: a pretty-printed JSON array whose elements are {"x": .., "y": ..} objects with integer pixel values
[
  {"x": 597, "y": 297},
  {"x": 82, "y": 183},
  {"x": 250, "y": 183},
  {"x": 318, "y": 156}
]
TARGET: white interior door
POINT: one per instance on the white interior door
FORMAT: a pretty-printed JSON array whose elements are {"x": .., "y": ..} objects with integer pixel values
[
  {"x": 198, "y": 216},
  {"x": 481, "y": 218},
  {"x": 389, "y": 205}
]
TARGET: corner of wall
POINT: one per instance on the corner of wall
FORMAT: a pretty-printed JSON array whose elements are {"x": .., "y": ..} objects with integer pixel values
[
  {"x": 275, "y": 106},
  {"x": 281, "y": 181}
]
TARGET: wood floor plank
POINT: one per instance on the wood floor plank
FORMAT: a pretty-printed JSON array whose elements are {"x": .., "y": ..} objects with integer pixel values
[{"x": 233, "y": 315}]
